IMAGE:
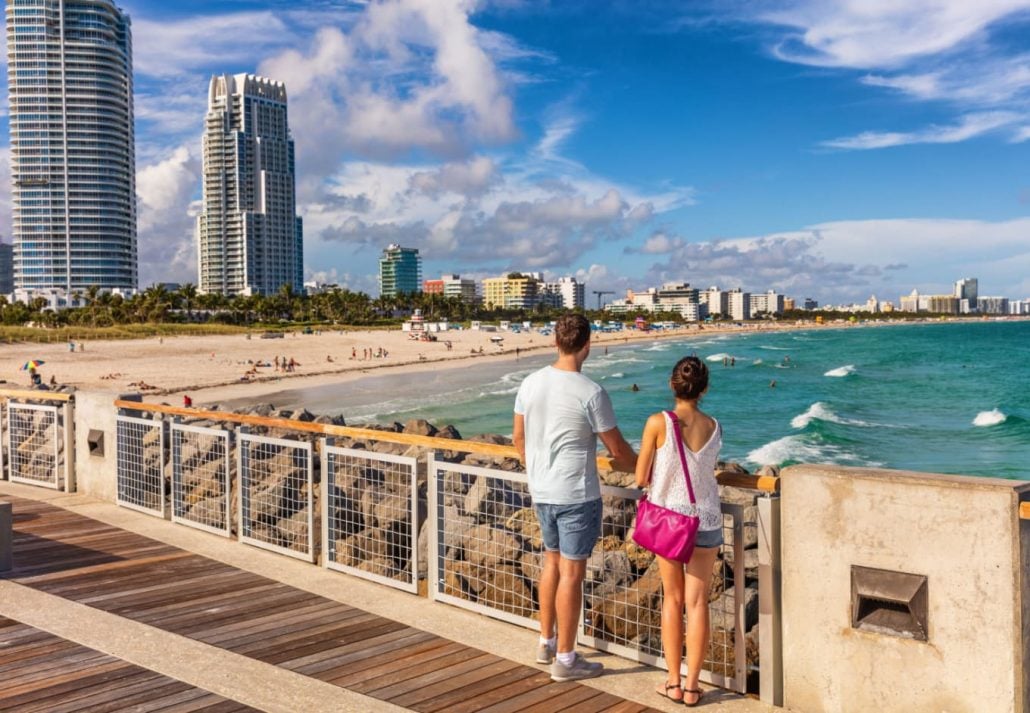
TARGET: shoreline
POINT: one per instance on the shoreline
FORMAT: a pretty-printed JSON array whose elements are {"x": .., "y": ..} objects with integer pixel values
[{"x": 231, "y": 367}]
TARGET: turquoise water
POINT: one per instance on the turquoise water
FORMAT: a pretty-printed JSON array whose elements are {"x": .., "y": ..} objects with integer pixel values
[{"x": 948, "y": 398}]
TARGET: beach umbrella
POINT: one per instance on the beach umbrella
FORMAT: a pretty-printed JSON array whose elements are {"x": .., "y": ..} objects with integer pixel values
[{"x": 32, "y": 364}]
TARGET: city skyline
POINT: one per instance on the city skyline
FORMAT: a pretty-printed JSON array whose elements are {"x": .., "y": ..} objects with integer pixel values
[{"x": 499, "y": 135}]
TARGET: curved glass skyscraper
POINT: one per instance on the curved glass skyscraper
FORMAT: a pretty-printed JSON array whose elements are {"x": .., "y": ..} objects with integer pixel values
[
  {"x": 249, "y": 238},
  {"x": 69, "y": 67}
]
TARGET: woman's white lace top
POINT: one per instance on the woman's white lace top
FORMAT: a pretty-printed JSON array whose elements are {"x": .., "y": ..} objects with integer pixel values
[{"x": 668, "y": 486}]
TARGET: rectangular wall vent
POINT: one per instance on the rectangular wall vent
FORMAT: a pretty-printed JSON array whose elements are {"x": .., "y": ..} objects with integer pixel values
[{"x": 886, "y": 602}]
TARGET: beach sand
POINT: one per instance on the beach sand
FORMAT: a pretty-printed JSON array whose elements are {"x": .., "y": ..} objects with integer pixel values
[{"x": 224, "y": 367}]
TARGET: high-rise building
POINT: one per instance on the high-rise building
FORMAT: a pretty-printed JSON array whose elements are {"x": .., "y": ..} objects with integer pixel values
[
  {"x": 249, "y": 238},
  {"x": 400, "y": 271},
  {"x": 69, "y": 71},
  {"x": 513, "y": 291},
  {"x": 6, "y": 268},
  {"x": 739, "y": 304},
  {"x": 566, "y": 292},
  {"x": 966, "y": 289}
]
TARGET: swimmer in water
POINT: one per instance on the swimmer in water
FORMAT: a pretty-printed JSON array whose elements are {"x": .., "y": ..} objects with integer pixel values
[{"x": 634, "y": 388}]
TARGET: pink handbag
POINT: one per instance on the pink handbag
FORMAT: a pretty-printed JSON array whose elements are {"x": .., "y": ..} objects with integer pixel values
[{"x": 665, "y": 532}]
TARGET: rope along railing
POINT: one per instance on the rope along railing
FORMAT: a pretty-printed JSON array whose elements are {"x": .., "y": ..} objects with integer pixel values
[
  {"x": 467, "y": 528},
  {"x": 38, "y": 437}
]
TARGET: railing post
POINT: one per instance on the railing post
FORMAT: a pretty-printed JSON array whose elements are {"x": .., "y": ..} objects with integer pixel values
[
  {"x": 770, "y": 624},
  {"x": 68, "y": 414},
  {"x": 6, "y": 537},
  {"x": 323, "y": 554}
]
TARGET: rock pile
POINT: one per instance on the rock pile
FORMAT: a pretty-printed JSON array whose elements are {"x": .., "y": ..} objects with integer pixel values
[{"x": 490, "y": 550}]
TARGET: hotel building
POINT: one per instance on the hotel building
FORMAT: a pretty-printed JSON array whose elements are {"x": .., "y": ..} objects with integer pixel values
[
  {"x": 73, "y": 165},
  {"x": 249, "y": 238},
  {"x": 514, "y": 291},
  {"x": 452, "y": 286},
  {"x": 400, "y": 271}
]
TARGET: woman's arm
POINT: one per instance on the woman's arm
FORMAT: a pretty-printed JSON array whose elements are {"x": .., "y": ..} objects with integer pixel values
[{"x": 648, "y": 443}]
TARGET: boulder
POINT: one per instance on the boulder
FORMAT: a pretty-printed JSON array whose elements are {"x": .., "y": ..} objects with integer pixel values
[
  {"x": 448, "y": 431},
  {"x": 633, "y": 613},
  {"x": 723, "y": 611},
  {"x": 506, "y": 589},
  {"x": 420, "y": 427},
  {"x": 524, "y": 523},
  {"x": 488, "y": 546}
]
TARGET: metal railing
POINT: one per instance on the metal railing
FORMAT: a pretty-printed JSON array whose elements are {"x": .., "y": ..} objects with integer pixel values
[
  {"x": 364, "y": 513},
  {"x": 277, "y": 498},
  {"x": 371, "y": 515},
  {"x": 38, "y": 439},
  {"x": 139, "y": 464},
  {"x": 201, "y": 478}
]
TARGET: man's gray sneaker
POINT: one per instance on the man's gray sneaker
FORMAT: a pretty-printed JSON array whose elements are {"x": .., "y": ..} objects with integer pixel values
[
  {"x": 544, "y": 654},
  {"x": 580, "y": 668}
]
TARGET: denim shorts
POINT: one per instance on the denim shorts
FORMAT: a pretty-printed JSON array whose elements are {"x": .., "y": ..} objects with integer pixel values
[
  {"x": 708, "y": 538},
  {"x": 571, "y": 529}
]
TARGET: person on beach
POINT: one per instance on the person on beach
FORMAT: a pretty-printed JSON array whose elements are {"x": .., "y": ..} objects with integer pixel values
[
  {"x": 660, "y": 470},
  {"x": 559, "y": 414}
]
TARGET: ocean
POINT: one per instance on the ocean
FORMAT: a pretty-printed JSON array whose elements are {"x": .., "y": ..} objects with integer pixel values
[{"x": 932, "y": 397}]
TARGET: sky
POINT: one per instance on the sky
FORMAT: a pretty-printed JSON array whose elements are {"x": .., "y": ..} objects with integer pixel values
[{"x": 832, "y": 150}]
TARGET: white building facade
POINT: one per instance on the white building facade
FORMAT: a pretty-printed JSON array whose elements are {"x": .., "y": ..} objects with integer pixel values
[
  {"x": 73, "y": 159},
  {"x": 249, "y": 238},
  {"x": 739, "y": 304}
]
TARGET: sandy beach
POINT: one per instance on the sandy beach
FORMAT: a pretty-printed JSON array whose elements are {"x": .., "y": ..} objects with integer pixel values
[{"x": 232, "y": 367}]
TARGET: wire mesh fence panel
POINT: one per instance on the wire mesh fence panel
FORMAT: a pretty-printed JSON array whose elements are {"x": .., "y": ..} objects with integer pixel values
[
  {"x": 485, "y": 547},
  {"x": 622, "y": 595},
  {"x": 277, "y": 498},
  {"x": 372, "y": 515},
  {"x": 34, "y": 444},
  {"x": 201, "y": 486},
  {"x": 140, "y": 446}
]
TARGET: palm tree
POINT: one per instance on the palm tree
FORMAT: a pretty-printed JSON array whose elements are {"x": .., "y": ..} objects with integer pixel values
[{"x": 188, "y": 294}]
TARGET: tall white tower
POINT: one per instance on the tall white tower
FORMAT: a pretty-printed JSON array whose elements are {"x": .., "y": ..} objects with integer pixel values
[
  {"x": 73, "y": 164},
  {"x": 249, "y": 238}
]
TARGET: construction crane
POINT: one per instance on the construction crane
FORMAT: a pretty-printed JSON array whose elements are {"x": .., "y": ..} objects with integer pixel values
[{"x": 600, "y": 294}]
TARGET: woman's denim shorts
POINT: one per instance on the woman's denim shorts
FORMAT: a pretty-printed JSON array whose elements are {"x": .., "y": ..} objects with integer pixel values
[{"x": 708, "y": 538}]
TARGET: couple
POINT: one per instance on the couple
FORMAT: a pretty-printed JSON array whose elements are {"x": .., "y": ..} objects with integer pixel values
[{"x": 559, "y": 413}]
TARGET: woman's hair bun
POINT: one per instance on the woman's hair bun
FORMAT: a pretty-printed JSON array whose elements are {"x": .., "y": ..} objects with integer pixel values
[{"x": 689, "y": 378}]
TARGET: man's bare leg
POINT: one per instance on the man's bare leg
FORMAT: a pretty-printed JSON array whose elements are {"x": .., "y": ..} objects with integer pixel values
[
  {"x": 569, "y": 602},
  {"x": 547, "y": 591}
]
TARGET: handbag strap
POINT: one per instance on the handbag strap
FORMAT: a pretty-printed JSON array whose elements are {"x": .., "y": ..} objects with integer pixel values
[{"x": 683, "y": 456}]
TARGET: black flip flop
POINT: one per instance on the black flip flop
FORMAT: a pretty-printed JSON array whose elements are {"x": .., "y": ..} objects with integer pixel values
[
  {"x": 665, "y": 694},
  {"x": 700, "y": 695}
]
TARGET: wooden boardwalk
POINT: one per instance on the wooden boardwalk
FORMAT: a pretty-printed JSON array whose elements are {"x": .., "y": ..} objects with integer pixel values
[
  {"x": 43, "y": 672},
  {"x": 131, "y": 576}
]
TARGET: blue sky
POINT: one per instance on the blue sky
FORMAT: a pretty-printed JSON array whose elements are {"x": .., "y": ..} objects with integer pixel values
[{"x": 832, "y": 150}]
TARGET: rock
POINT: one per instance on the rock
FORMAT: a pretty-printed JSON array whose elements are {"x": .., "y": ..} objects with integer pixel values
[
  {"x": 769, "y": 470},
  {"x": 489, "y": 546},
  {"x": 617, "y": 515},
  {"x": 448, "y": 431},
  {"x": 532, "y": 564},
  {"x": 618, "y": 479},
  {"x": 420, "y": 427},
  {"x": 301, "y": 415},
  {"x": 750, "y": 563},
  {"x": 209, "y": 511},
  {"x": 723, "y": 610},
  {"x": 294, "y": 531},
  {"x": 525, "y": 524},
  {"x": 507, "y": 590},
  {"x": 610, "y": 568},
  {"x": 262, "y": 409},
  {"x": 492, "y": 497},
  {"x": 390, "y": 510},
  {"x": 633, "y": 613},
  {"x": 455, "y": 528},
  {"x": 638, "y": 557},
  {"x": 731, "y": 467},
  {"x": 490, "y": 438},
  {"x": 380, "y": 566}
]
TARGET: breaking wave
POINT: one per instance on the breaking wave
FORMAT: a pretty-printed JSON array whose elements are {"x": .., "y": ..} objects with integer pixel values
[{"x": 841, "y": 371}]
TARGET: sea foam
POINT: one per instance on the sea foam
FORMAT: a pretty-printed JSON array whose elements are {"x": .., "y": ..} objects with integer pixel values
[
  {"x": 720, "y": 356},
  {"x": 989, "y": 418},
  {"x": 821, "y": 412},
  {"x": 841, "y": 371}
]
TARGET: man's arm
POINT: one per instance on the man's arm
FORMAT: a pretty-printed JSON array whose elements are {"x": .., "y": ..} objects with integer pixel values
[
  {"x": 623, "y": 457},
  {"x": 518, "y": 436}
]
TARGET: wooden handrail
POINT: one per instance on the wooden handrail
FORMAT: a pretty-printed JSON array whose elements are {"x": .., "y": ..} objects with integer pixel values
[
  {"x": 33, "y": 394},
  {"x": 740, "y": 480},
  {"x": 1024, "y": 511}
]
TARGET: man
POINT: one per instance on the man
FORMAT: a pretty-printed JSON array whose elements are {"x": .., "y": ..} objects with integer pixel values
[{"x": 559, "y": 413}]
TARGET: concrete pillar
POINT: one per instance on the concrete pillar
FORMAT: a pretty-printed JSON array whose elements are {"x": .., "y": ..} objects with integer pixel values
[{"x": 96, "y": 473}]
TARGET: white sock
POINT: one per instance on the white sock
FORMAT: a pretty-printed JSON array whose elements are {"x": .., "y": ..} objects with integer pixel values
[
  {"x": 567, "y": 658},
  {"x": 552, "y": 642}
]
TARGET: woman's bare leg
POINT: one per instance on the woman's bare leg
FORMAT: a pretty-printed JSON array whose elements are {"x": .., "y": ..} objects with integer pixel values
[
  {"x": 672, "y": 622},
  {"x": 698, "y": 584}
]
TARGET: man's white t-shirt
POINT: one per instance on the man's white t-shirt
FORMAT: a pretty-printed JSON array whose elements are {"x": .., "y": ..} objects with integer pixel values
[{"x": 563, "y": 411}]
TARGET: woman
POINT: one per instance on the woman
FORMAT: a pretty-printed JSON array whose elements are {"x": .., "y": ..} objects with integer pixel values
[{"x": 659, "y": 468}]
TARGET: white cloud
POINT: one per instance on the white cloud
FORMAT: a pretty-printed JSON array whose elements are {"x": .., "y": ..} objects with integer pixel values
[
  {"x": 927, "y": 50},
  {"x": 882, "y": 34},
  {"x": 658, "y": 243},
  {"x": 166, "y": 222},
  {"x": 968, "y": 127},
  {"x": 848, "y": 260},
  {"x": 467, "y": 178}
]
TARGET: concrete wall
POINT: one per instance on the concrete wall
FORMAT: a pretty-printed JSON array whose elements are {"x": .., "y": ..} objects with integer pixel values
[
  {"x": 962, "y": 533},
  {"x": 96, "y": 475}
]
